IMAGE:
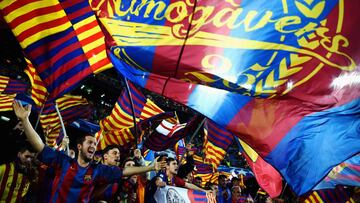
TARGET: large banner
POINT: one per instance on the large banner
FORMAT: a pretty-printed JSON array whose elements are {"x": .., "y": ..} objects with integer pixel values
[{"x": 170, "y": 194}]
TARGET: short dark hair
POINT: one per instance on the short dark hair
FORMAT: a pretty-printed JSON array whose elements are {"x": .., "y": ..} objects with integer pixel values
[
  {"x": 81, "y": 138},
  {"x": 108, "y": 148},
  {"x": 126, "y": 160},
  {"x": 222, "y": 176},
  {"x": 170, "y": 159},
  {"x": 26, "y": 146}
]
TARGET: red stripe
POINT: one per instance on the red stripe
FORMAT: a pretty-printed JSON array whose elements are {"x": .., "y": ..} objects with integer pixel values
[
  {"x": 65, "y": 186},
  {"x": 93, "y": 38},
  {"x": 4, "y": 179},
  {"x": 67, "y": 67},
  {"x": 86, "y": 27},
  {"x": 95, "y": 51},
  {"x": 86, "y": 189},
  {"x": 72, "y": 81},
  {"x": 15, "y": 5},
  {"x": 59, "y": 56},
  {"x": 100, "y": 64},
  {"x": 40, "y": 27},
  {"x": 23, "y": 183},
  {"x": 50, "y": 46},
  {"x": 12, "y": 187},
  {"x": 34, "y": 13},
  {"x": 79, "y": 12}
]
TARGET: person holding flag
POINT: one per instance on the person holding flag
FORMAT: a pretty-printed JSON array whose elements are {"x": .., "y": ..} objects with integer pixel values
[{"x": 75, "y": 178}]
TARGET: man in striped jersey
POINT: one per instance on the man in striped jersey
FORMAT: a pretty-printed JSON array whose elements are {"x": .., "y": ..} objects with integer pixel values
[
  {"x": 75, "y": 178},
  {"x": 15, "y": 177}
]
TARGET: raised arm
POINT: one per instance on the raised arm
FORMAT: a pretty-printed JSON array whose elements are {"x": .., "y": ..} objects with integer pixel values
[
  {"x": 129, "y": 171},
  {"x": 33, "y": 137}
]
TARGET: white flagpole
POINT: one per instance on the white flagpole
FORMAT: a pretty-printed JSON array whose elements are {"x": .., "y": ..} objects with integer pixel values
[{"x": 63, "y": 128}]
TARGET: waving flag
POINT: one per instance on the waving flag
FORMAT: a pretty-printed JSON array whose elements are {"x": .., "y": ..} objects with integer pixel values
[
  {"x": 118, "y": 127},
  {"x": 267, "y": 177},
  {"x": 6, "y": 102},
  {"x": 11, "y": 86},
  {"x": 281, "y": 75},
  {"x": 338, "y": 195},
  {"x": 167, "y": 134},
  {"x": 61, "y": 38},
  {"x": 39, "y": 93},
  {"x": 346, "y": 173},
  {"x": 71, "y": 108},
  {"x": 216, "y": 142}
]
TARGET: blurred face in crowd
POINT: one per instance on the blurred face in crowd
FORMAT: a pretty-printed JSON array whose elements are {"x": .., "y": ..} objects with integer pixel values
[
  {"x": 189, "y": 177},
  {"x": 112, "y": 157},
  {"x": 131, "y": 163},
  {"x": 87, "y": 148},
  {"x": 172, "y": 167},
  {"x": 197, "y": 181},
  {"x": 222, "y": 182},
  {"x": 26, "y": 157},
  {"x": 236, "y": 192}
]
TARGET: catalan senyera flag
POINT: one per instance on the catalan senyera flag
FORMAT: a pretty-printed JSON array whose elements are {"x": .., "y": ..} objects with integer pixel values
[
  {"x": 6, "y": 102},
  {"x": 117, "y": 128},
  {"x": 281, "y": 75},
  {"x": 346, "y": 173},
  {"x": 11, "y": 86},
  {"x": 71, "y": 108},
  {"x": 216, "y": 142},
  {"x": 61, "y": 38},
  {"x": 39, "y": 93},
  {"x": 267, "y": 177}
]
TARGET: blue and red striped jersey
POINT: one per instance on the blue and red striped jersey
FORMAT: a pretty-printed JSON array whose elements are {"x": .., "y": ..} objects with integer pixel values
[{"x": 73, "y": 183}]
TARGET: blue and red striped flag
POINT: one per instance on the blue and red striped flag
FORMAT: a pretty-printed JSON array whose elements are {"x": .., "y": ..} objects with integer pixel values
[
  {"x": 338, "y": 195},
  {"x": 11, "y": 86},
  {"x": 167, "y": 134},
  {"x": 216, "y": 142},
  {"x": 281, "y": 75},
  {"x": 346, "y": 173},
  {"x": 61, "y": 38}
]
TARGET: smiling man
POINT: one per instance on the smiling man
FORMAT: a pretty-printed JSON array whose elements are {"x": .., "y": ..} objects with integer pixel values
[{"x": 75, "y": 178}]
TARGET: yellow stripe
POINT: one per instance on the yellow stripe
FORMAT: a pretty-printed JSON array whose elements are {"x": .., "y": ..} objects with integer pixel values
[
  {"x": 317, "y": 196},
  {"x": 94, "y": 44},
  {"x": 85, "y": 22},
  {"x": 88, "y": 33},
  {"x": 44, "y": 33},
  {"x": 9, "y": 181},
  {"x": 105, "y": 67},
  {"x": 26, "y": 8},
  {"x": 37, "y": 21},
  {"x": 102, "y": 55},
  {"x": 249, "y": 151}
]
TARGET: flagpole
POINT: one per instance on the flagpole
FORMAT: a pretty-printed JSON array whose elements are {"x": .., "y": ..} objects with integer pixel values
[
  {"x": 41, "y": 110},
  {"x": 63, "y": 127},
  {"x": 192, "y": 137},
  {"x": 132, "y": 110}
]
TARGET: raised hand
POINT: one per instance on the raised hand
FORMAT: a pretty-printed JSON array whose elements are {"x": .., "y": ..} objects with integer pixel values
[
  {"x": 159, "y": 165},
  {"x": 21, "y": 112}
]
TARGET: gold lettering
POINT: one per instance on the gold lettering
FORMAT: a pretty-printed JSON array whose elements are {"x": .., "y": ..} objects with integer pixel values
[
  {"x": 180, "y": 9},
  {"x": 150, "y": 5},
  {"x": 281, "y": 23},
  {"x": 196, "y": 23},
  {"x": 217, "y": 63}
]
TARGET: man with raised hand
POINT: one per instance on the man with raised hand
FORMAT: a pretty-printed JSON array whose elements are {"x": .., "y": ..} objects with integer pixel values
[{"x": 75, "y": 178}]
